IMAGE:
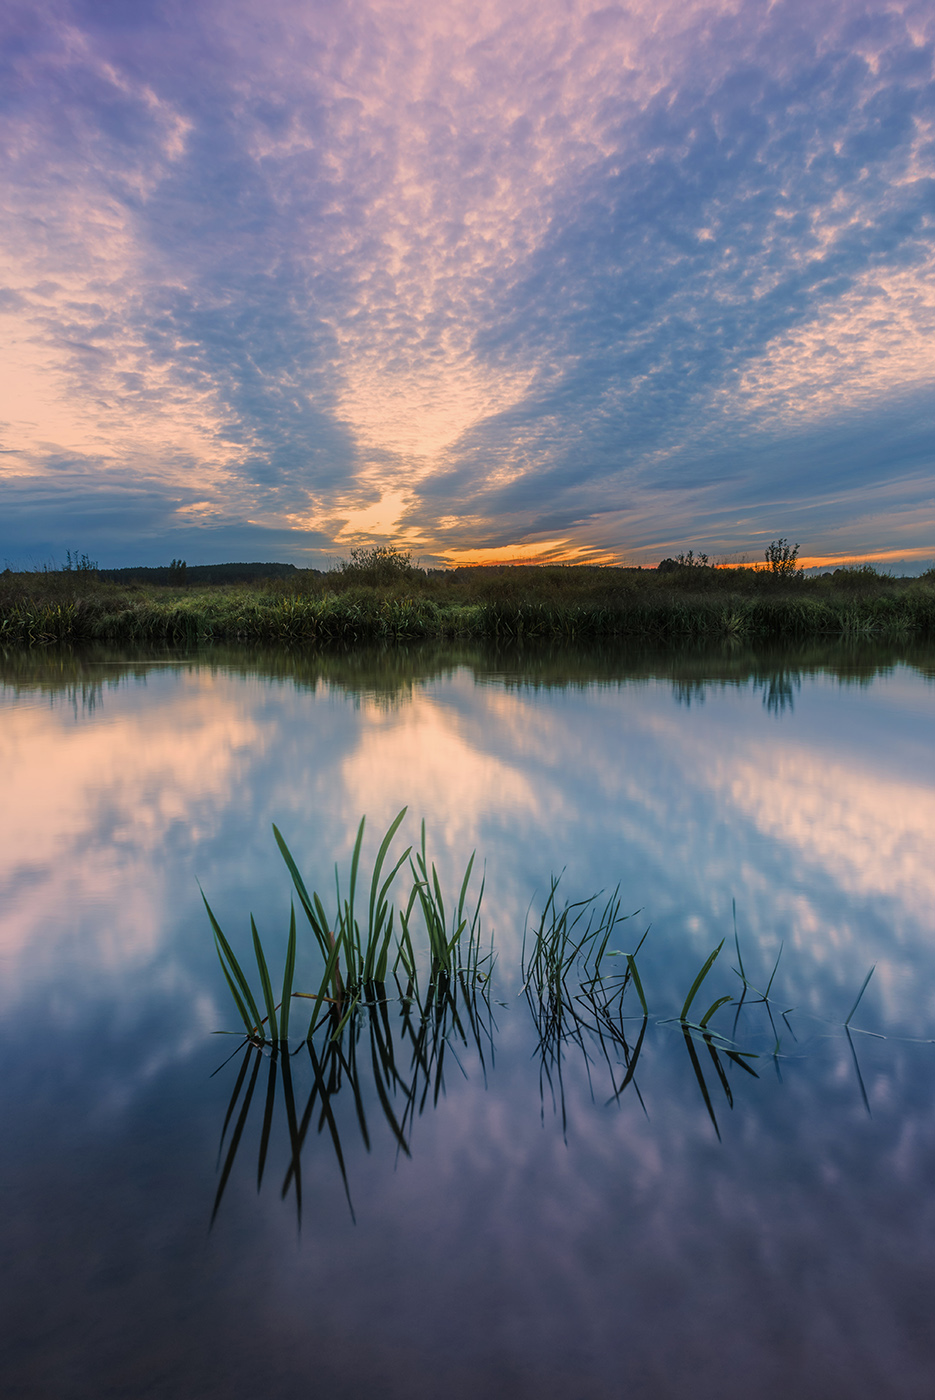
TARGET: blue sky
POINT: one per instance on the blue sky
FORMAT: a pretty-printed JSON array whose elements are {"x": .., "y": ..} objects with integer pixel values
[{"x": 518, "y": 280}]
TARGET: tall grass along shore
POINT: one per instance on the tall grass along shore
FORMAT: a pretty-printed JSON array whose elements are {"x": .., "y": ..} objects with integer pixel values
[{"x": 380, "y": 596}]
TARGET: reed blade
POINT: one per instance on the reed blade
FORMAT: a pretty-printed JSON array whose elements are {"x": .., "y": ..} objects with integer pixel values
[
  {"x": 381, "y": 857},
  {"x": 715, "y": 1006},
  {"x": 464, "y": 885},
  {"x": 776, "y": 968},
  {"x": 351, "y": 1008},
  {"x": 859, "y": 995},
  {"x": 315, "y": 916},
  {"x": 709, "y": 961},
  {"x": 251, "y": 1027},
  {"x": 740, "y": 1058},
  {"x": 265, "y": 982},
  {"x": 351, "y": 930},
  {"x": 287, "y": 979},
  {"x": 631, "y": 964},
  {"x": 235, "y": 967},
  {"x": 743, "y": 975},
  {"x": 326, "y": 981}
]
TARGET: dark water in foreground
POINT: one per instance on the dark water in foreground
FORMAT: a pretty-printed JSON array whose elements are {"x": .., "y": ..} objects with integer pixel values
[{"x": 502, "y": 1235}]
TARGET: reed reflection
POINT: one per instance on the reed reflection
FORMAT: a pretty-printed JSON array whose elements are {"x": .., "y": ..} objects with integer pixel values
[
  {"x": 380, "y": 1050},
  {"x": 388, "y": 1059},
  {"x": 86, "y": 678}
]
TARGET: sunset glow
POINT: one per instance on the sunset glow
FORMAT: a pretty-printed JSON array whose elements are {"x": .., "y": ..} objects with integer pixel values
[{"x": 552, "y": 282}]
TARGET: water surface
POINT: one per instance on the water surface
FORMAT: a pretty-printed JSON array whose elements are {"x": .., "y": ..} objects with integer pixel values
[{"x": 537, "y": 1241}]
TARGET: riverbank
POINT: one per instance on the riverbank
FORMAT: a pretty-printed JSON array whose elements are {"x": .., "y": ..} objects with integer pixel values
[{"x": 348, "y": 607}]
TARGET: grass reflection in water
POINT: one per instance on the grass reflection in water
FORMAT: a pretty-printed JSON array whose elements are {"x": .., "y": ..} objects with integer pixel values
[
  {"x": 392, "y": 1010},
  {"x": 394, "y": 1050}
]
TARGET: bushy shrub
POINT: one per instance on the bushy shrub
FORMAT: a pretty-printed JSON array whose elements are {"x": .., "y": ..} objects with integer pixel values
[
  {"x": 378, "y": 564},
  {"x": 782, "y": 558}
]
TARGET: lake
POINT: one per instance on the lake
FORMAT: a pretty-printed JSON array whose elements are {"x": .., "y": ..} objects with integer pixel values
[{"x": 492, "y": 1204}]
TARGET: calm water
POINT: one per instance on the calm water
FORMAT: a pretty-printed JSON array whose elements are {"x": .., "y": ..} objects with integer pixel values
[{"x": 532, "y": 1240}]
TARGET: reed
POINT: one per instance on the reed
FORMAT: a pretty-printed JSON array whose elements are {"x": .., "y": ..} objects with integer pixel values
[
  {"x": 572, "y": 999},
  {"x": 388, "y": 602},
  {"x": 403, "y": 985},
  {"x": 360, "y": 944}
]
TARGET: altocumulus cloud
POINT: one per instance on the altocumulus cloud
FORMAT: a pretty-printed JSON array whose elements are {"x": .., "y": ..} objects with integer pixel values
[{"x": 577, "y": 280}]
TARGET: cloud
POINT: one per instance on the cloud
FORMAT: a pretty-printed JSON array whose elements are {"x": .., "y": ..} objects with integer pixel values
[{"x": 538, "y": 273}]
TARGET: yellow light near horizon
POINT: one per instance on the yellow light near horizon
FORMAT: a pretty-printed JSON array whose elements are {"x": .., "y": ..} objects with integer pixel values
[
  {"x": 562, "y": 551},
  {"x": 839, "y": 561}
]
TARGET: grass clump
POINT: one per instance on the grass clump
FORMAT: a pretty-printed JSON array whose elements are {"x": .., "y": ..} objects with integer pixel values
[
  {"x": 403, "y": 990},
  {"x": 361, "y": 944}
]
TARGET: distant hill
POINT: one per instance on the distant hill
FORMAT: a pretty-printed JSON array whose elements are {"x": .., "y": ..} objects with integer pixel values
[{"x": 199, "y": 573}]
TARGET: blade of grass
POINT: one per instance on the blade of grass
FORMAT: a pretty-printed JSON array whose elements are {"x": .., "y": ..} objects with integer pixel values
[
  {"x": 265, "y": 982},
  {"x": 715, "y": 1006},
  {"x": 287, "y": 978},
  {"x": 377, "y": 937},
  {"x": 404, "y": 952},
  {"x": 464, "y": 885},
  {"x": 859, "y": 995},
  {"x": 631, "y": 964},
  {"x": 381, "y": 857},
  {"x": 351, "y": 932},
  {"x": 316, "y": 918},
  {"x": 774, "y": 971},
  {"x": 330, "y": 966},
  {"x": 740, "y": 1058},
  {"x": 235, "y": 967},
  {"x": 698, "y": 981},
  {"x": 740, "y": 966},
  {"x": 352, "y": 1004},
  {"x": 251, "y": 1028}
]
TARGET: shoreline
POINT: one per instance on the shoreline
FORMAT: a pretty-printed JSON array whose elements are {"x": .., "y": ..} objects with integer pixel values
[{"x": 503, "y": 607}]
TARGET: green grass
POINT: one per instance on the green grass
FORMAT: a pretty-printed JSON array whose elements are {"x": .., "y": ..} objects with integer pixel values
[
  {"x": 361, "y": 943},
  {"x": 569, "y": 979},
  {"x": 403, "y": 990},
  {"x": 369, "y": 603}
]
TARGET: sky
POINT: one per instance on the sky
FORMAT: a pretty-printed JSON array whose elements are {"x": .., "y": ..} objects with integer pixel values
[{"x": 526, "y": 281}]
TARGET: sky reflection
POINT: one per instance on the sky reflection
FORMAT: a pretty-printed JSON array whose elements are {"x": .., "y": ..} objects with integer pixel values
[
  {"x": 513, "y": 1258},
  {"x": 813, "y": 821}
]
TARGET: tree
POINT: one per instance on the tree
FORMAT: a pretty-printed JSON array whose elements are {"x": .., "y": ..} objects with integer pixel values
[
  {"x": 379, "y": 563},
  {"x": 782, "y": 558}
]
